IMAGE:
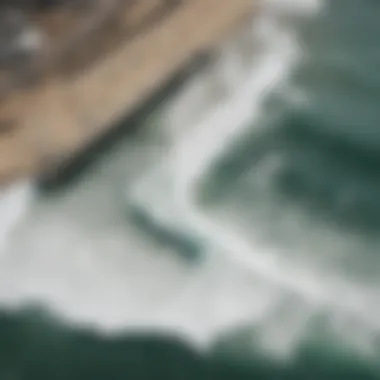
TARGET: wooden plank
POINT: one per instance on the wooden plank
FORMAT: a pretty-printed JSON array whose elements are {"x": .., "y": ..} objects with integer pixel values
[{"x": 87, "y": 91}]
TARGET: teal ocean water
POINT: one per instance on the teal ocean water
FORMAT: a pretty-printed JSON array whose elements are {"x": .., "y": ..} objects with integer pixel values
[{"x": 235, "y": 236}]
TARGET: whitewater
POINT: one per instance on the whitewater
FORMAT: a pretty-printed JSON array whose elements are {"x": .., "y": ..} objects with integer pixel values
[{"x": 112, "y": 253}]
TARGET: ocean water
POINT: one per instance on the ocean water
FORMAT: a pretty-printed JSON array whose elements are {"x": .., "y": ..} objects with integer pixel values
[{"x": 234, "y": 235}]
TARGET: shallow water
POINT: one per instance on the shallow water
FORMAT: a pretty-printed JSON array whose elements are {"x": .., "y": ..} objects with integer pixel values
[{"x": 256, "y": 186}]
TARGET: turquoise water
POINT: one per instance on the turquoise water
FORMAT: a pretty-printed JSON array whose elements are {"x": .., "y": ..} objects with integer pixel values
[{"x": 302, "y": 188}]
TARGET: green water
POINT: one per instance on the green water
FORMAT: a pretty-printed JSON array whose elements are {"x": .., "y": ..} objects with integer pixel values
[{"x": 34, "y": 347}]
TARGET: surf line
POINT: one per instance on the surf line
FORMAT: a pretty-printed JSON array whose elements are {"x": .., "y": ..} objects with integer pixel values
[{"x": 163, "y": 200}]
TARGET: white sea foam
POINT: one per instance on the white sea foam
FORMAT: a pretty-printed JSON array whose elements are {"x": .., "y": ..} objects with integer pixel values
[{"x": 14, "y": 203}]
